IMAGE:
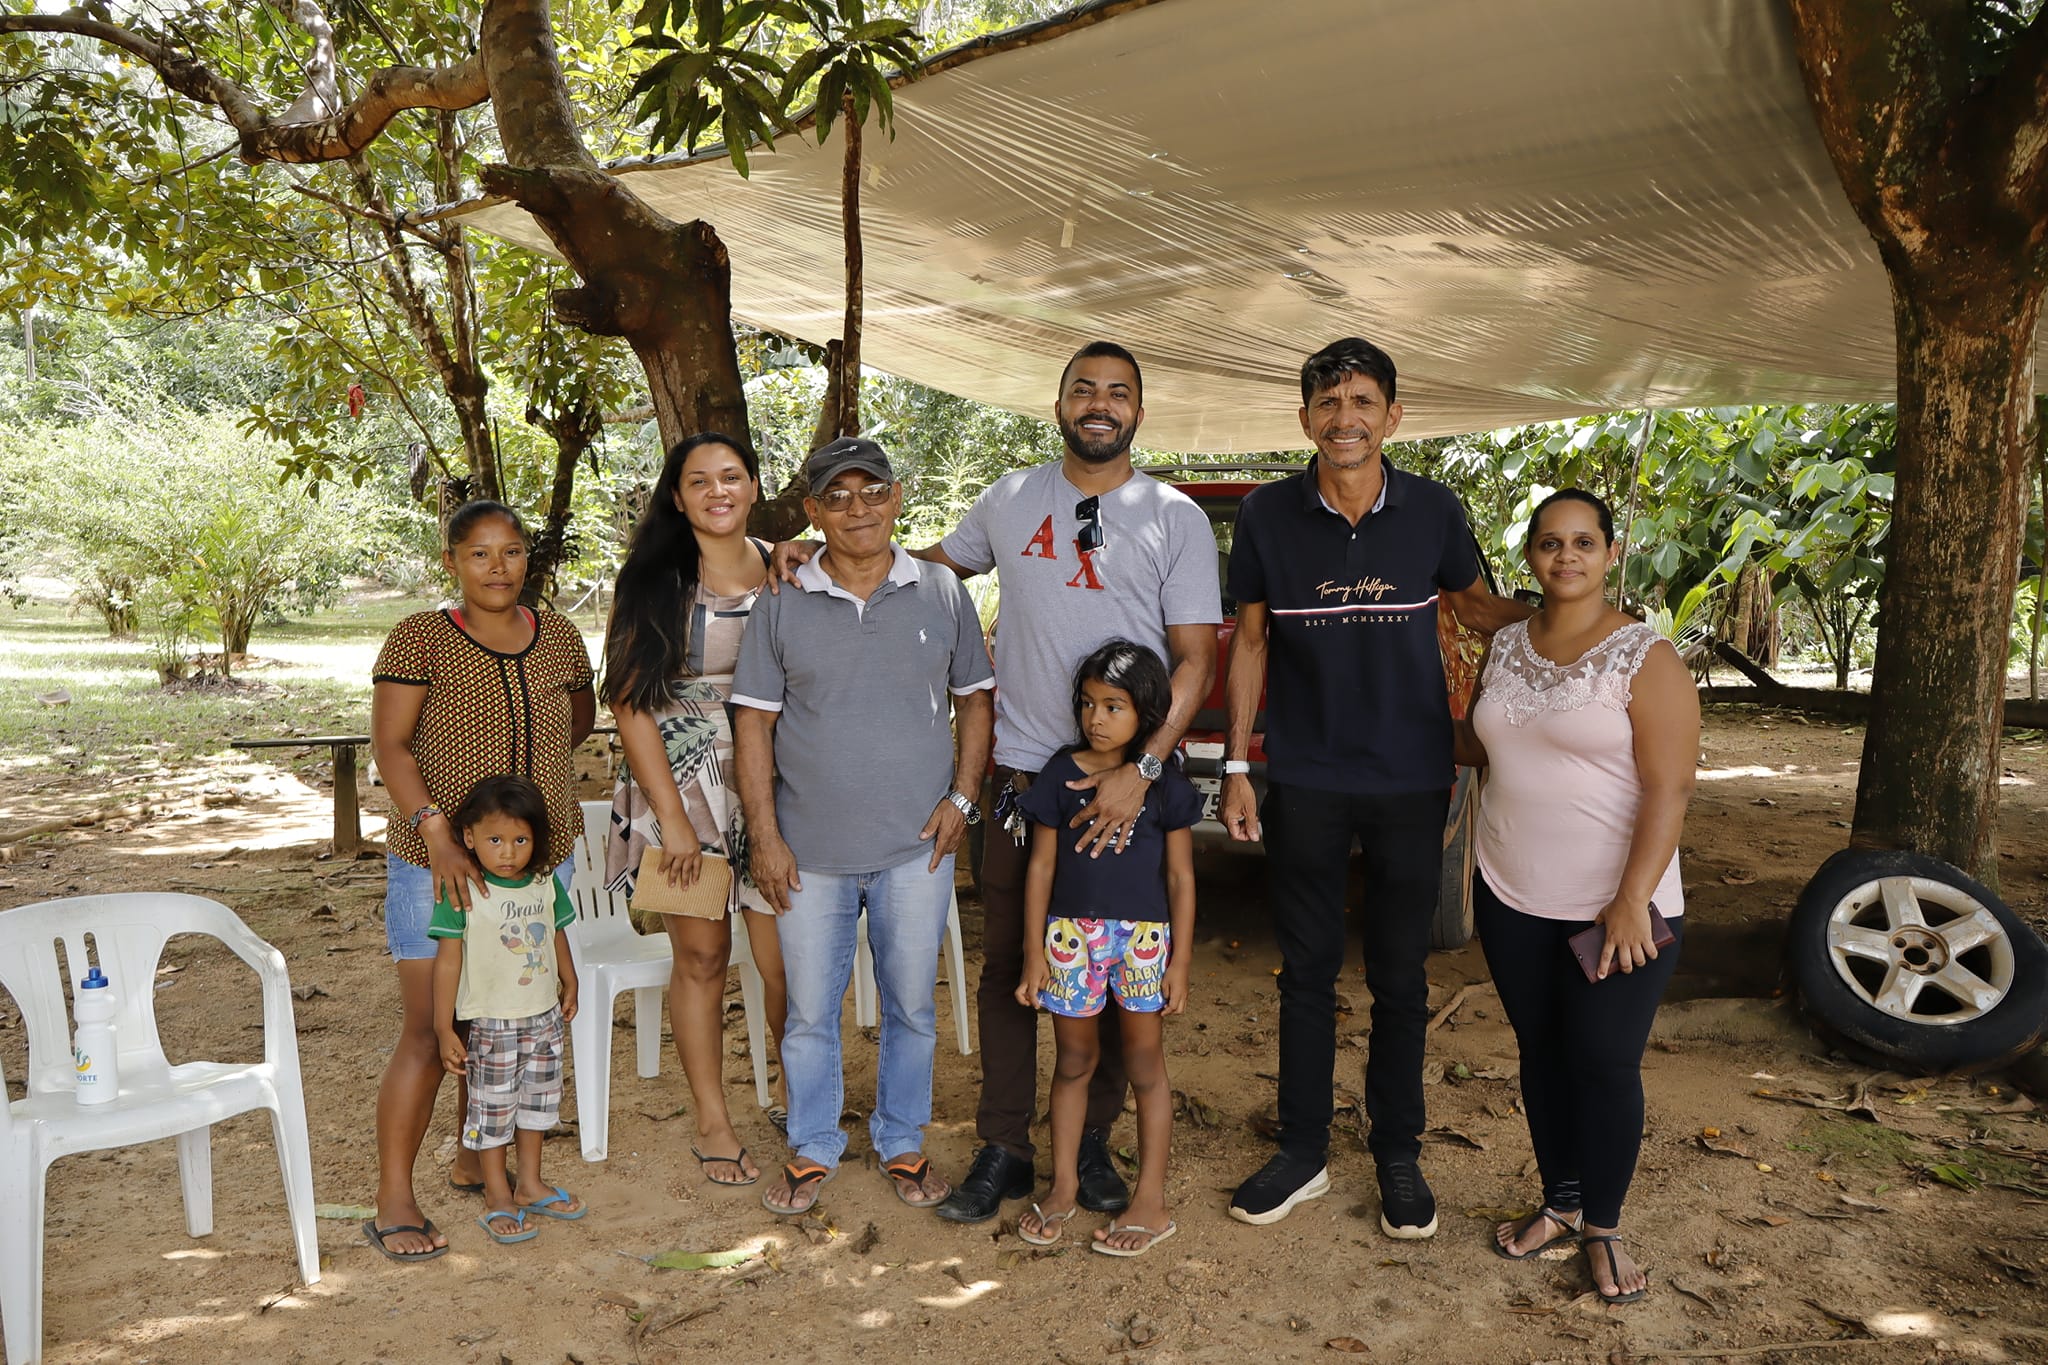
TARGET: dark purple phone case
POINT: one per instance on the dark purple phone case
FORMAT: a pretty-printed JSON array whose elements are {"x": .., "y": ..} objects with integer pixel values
[{"x": 1587, "y": 943}]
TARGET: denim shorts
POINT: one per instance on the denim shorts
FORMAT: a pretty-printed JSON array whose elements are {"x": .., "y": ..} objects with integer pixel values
[{"x": 409, "y": 905}]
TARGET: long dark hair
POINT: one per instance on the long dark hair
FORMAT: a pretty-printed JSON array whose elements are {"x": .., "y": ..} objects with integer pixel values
[
  {"x": 1138, "y": 671},
  {"x": 647, "y": 644}
]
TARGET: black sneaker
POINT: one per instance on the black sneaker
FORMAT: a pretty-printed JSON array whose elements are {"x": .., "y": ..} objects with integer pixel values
[
  {"x": 1407, "y": 1208},
  {"x": 996, "y": 1175},
  {"x": 1288, "y": 1179},
  {"x": 1102, "y": 1189}
]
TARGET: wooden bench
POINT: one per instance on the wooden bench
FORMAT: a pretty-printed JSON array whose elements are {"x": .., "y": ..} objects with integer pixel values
[
  {"x": 348, "y": 822},
  {"x": 348, "y": 815}
]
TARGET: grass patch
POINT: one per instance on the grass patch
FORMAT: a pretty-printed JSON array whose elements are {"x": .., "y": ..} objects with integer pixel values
[
  {"x": 121, "y": 727},
  {"x": 120, "y": 723},
  {"x": 1843, "y": 1142}
]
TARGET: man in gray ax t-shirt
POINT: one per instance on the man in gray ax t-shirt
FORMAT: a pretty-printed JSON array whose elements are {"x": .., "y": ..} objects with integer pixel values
[{"x": 1087, "y": 550}]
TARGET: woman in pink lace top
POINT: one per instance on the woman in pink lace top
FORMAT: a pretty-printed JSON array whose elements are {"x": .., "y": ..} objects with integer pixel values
[{"x": 1588, "y": 724}]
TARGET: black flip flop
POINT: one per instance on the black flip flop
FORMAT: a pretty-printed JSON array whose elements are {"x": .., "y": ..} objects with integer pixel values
[
  {"x": 704, "y": 1164},
  {"x": 1570, "y": 1234},
  {"x": 377, "y": 1236},
  {"x": 461, "y": 1187},
  {"x": 1613, "y": 1271}
]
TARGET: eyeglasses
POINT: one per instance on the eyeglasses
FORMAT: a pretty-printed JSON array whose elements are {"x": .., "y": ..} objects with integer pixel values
[
  {"x": 839, "y": 499},
  {"x": 1088, "y": 511}
]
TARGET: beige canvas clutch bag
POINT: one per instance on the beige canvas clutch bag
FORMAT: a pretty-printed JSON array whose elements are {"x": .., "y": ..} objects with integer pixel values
[{"x": 707, "y": 898}]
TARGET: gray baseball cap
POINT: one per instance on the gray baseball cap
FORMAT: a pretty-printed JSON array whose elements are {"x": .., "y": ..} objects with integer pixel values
[{"x": 828, "y": 462}]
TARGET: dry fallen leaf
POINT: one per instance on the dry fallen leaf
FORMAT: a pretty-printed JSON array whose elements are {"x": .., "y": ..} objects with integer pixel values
[
  {"x": 1719, "y": 1147},
  {"x": 1350, "y": 1344},
  {"x": 1453, "y": 1136},
  {"x": 1739, "y": 876}
]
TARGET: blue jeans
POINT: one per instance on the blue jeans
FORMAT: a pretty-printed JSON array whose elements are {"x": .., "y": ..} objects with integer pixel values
[{"x": 906, "y": 908}]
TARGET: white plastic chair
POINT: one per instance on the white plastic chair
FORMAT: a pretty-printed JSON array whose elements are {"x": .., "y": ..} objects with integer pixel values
[
  {"x": 864, "y": 1004},
  {"x": 611, "y": 958},
  {"x": 156, "y": 1100}
]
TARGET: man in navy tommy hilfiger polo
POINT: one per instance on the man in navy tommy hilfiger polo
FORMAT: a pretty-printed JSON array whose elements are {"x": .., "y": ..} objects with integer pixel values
[{"x": 1337, "y": 572}]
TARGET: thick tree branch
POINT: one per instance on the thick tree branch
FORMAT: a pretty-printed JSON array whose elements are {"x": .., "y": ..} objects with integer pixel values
[
  {"x": 2017, "y": 119},
  {"x": 265, "y": 137}
]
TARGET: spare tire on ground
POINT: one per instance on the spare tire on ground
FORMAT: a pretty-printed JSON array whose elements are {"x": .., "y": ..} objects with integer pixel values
[{"x": 1913, "y": 961}]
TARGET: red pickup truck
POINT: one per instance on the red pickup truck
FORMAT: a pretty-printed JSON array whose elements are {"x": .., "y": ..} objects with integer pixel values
[{"x": 1203, "y": 743}]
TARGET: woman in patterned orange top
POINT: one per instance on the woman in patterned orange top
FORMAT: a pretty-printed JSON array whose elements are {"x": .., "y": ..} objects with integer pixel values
[{"x": 487, "y": 689}]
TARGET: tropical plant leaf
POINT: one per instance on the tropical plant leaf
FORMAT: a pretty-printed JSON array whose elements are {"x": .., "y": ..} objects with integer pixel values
[{"x": 699, "y": 1260}]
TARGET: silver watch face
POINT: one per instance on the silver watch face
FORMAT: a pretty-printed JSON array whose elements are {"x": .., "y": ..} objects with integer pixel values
[{"x": 1149, "y": 767}]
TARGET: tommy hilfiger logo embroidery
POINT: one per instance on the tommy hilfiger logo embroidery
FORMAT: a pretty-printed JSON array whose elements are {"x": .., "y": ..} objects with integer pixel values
[
  {"x": 1373, "y": 588},
  {"x": 1354, "y": 613},
  {"x": 1044, "y": 545}
]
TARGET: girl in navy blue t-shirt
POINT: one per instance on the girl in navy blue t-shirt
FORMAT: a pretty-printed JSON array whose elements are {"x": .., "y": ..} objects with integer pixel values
[{"x": 1121, "y": 925}]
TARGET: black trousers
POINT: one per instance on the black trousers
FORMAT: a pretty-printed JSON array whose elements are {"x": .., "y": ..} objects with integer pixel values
[
  {"x": 1309, "y": 834},
  {"x": 1582, "y": 1051}
]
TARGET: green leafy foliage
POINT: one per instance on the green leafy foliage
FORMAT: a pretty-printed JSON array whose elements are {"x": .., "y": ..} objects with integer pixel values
[
  {"x": 740, "y": 72},
  {"x": 180, "y": 525}
]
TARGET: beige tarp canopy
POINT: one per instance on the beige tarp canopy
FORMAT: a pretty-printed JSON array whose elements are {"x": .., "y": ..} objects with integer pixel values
[{"x": 1540, "y": 207}]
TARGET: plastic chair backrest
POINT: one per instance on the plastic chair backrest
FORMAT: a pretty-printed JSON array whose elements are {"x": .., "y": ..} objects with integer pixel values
[
  {"x": 124, "y": 936},
  {"x": 586, "y": 882}
]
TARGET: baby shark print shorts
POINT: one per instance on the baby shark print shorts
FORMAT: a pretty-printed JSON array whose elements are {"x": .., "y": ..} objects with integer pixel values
[{"x": 1093, "y": 959}]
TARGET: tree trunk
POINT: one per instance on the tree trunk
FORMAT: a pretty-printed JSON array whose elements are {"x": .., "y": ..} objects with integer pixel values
[
  {"x": 1752, "y": 616},
  {"x": 1940, "y": 140},
  {"x": 237, "y": 624},
  {"x": 849, "y": 215},
  {"x": 451, "y": 348},
  {"x": 2040, "y": 564},
  {"x": 1929, "y": 778},
  {"x": 782, "y": 517},
  {"x": 665, "y": 287},
  {"x": 574, "y": 431}
]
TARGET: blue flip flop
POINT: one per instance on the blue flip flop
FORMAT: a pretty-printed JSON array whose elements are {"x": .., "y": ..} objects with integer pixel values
[
  {"x": 560, "y": 1196},
  {"x": 525, "y": 1233}
]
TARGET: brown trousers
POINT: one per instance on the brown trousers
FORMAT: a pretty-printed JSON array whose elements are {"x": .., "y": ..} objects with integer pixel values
[{"x": 1009, "y": 1031}]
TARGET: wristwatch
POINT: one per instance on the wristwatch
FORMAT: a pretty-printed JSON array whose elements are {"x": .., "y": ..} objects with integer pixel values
[
  {"x": 966, "y": 808},
  {"x": 1149, "y": 767},
  {"x": 1233, "y": 766}
]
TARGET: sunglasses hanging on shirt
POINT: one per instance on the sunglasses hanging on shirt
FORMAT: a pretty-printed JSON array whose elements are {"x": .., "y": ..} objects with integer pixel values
[{"x": 1088, "y": 511}]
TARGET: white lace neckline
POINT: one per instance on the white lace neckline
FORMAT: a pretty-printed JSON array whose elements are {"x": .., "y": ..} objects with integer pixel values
[{"x": 1525, "y": 684}]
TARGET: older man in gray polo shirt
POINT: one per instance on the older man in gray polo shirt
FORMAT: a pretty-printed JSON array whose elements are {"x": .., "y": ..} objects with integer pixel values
[{"x": 853, "y": 785}]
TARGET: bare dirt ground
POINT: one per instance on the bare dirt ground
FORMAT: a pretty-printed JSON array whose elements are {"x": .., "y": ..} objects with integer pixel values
[{"x": 1775, "y": 1225}]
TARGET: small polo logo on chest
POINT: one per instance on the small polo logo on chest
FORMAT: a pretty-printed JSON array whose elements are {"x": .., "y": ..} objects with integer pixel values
[
  {"x": 1365, "y": 589},
  {"x": 920, "y": 634}
]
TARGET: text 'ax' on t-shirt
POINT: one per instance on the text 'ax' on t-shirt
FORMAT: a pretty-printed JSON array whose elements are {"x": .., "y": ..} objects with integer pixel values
[{"x": 1156, "y": 568}]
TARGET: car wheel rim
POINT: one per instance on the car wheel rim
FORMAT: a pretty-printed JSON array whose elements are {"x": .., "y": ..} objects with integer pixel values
[{"x": 1921, "y": 950}]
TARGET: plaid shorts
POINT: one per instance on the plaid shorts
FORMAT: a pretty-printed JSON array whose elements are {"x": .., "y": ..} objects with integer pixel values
[{"x": 515, "y": 1078}]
